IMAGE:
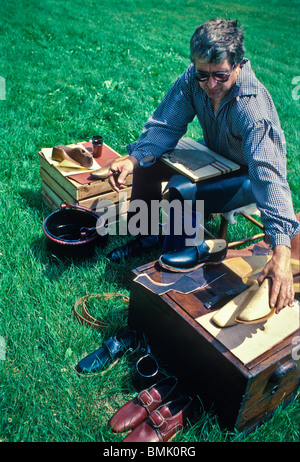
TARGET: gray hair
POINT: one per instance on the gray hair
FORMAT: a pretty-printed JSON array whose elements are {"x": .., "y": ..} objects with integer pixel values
[{"x": 217, "y": 40}]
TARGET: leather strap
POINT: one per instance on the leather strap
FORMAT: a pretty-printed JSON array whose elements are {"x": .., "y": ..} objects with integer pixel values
[
  {"x": 83, "y": 316},
  {"x": 145, "y": 398},
  {"x": 202, "y": 249},
  {"x": 114, "y": 347},
  {"x": 158, "y": 420}
]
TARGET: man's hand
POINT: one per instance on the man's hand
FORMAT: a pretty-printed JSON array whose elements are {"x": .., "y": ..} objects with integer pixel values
[
  {"x": 119, "y": 171},
  {"x": 280, "y": 271}
]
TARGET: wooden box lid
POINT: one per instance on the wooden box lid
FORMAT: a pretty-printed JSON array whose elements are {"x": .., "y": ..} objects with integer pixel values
[{"x": 201, "y": 293}]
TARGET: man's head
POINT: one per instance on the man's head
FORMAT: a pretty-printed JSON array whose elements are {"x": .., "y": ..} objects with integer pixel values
[
  {"x": 218, "y": 40},
  {"x": 217, "y": 49}
]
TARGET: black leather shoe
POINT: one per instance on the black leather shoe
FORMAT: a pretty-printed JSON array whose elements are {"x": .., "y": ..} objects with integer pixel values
[
  {"x": 190, "y": 258},
  {"x": 106, "y": 356},
  {"x": 133, "y": 248}
]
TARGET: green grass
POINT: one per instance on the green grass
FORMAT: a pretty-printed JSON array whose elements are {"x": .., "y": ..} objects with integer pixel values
[{"x": 72, "y": 69}]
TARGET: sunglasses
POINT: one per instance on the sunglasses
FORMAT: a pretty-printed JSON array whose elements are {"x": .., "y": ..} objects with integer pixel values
[{"x": 219, "y": 76}]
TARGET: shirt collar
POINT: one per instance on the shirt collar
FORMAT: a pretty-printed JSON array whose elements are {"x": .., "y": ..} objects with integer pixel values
[{"x": 246, "y": 83}]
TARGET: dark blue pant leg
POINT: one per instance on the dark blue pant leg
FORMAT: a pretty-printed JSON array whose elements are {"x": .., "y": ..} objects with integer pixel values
[{"x": 220, "y": 194}]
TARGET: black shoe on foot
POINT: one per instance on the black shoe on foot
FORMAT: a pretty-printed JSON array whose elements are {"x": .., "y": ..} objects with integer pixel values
[
  {"x": 134, "y": 248},
  {"x": 189, "y": 258}
]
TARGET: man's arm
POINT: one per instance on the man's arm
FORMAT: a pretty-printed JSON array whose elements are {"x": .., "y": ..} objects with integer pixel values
[
  {"x": 169, "y": 122},
  {"x": 280, "y": 271},
  {"x": 267, "y": 171},
  {"x": 161, "y": 132}
]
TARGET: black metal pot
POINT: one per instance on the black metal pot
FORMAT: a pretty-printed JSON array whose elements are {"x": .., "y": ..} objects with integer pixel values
[{"x": 74, "y": 231}]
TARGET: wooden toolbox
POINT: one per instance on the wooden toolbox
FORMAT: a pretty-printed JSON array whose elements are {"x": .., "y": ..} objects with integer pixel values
[
  {"x": 243, "y": 372},
  {"x": 80, "y": 188}
]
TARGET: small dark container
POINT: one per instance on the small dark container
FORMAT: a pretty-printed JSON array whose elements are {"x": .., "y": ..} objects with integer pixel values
[
  {"x": 97, "y": 142},
  {"x": 71, "y": 231}
]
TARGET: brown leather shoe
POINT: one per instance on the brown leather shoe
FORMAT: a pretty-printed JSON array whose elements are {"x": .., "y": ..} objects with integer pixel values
[
  {"x": 77, "y": 155},
  {"x": 135, "y": 411},
  {"x": 163, "y": 424}
]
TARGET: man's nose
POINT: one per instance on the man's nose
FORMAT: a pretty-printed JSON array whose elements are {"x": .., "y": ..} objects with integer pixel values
[{"x": 211, "y": 83}]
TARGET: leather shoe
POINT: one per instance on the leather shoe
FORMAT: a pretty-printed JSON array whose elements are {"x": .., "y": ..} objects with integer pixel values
[
  {"x": 189, "y": 258},
  {"x": 133, "y": 248},
  {"x": 163, "y": 424},
  {"x": 111, "y": 350},
  {"x": 131, "y": 414}
]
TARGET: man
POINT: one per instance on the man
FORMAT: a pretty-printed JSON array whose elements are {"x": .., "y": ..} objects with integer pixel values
[{"x": 239, "y": 121}]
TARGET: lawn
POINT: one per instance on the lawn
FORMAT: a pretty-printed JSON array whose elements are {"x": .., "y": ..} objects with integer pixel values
[{"x": 73, "y": 69}]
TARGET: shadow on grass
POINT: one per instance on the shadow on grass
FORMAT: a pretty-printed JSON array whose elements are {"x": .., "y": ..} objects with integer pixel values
[
  {"x": 34, "y": 200},
  {"x": 119, "y": 274}
]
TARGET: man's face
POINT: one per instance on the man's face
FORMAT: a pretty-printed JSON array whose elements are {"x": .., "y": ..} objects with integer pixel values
[{"x": 217, "y": 90}]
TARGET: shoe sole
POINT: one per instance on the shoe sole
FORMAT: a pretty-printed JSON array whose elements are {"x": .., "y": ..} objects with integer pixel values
[
  {"x": 97, "y": 374},
  {"x": 186, "y": 270}
]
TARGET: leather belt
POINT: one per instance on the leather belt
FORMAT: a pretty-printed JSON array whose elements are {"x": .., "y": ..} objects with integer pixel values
[{"x": 82, "y": 315}]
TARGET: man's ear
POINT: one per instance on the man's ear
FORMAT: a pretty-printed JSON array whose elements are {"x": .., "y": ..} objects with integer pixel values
[{"x": 238, "y": 69}]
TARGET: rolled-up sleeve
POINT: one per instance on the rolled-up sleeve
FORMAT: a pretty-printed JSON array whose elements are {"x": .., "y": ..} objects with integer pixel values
[
  {"x": 167, "y": 124},
  {"x": 264, "y": 150}
]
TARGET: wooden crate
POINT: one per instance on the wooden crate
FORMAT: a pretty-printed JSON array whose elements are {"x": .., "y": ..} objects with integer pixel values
[
  {"x": 241, "y": 393},
  {"x": 81, "y": 189}
]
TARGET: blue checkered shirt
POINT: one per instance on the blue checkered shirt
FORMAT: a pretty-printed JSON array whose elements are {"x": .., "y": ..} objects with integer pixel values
[{"x": 246, "y": 129}]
